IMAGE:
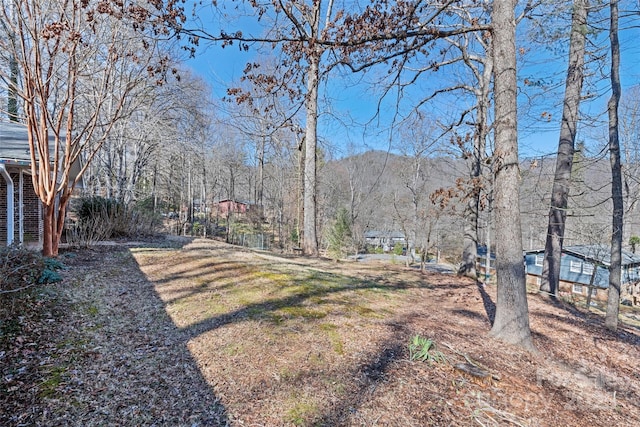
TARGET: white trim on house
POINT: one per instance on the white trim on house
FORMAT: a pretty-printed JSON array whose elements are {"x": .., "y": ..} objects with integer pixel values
[
  {"x": 587, "y": 268},
  {"x": 10, "y": 211},
  {"x": 575, "y": 266}
]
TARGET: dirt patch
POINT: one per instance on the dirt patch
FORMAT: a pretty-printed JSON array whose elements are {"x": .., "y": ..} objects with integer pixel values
[{"x": 207, "y": 334}]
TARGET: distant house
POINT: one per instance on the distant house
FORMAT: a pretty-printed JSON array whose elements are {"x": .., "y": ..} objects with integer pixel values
[
  {"x": 579, "y": 263},
  {"x": 226, "y": 206},
  {"x": 384, "y": 238}
]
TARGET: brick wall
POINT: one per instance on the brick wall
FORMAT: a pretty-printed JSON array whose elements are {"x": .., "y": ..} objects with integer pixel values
[{"x": 33, "y": 223}]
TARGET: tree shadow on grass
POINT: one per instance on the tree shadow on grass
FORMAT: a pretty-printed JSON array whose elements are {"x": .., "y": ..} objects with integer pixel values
[
  {"x": 305, "y": 295},
  {"x": 583, "y": 317},
  {"x": 594, "y": 325},
  {"x": 317, "y": 287},
  {"x": 133, "y": 366},
  {"x": 372, "y": 372},
  {"x": 470, "y": 314},
  {"x": 569, "y": 308}
]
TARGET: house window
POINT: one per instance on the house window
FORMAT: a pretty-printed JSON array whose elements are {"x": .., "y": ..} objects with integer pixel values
[
  {"x": 594, "y": 292},
  {"x": 539, "y": 259},
  {"x": 587, "y": 268},
  {"x": 575, "y": 266},
  {"x": 577, "y": 289}
]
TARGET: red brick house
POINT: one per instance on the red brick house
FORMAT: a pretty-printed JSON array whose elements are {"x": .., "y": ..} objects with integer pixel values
[
  {"x": 226, "y": 206},
  {"x": 20, "y": 208}
]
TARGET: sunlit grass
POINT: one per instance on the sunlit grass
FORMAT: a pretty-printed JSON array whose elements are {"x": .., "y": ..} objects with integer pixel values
[
  {"x": 204, "y": 287},
  {"x": 334, "y": 336}
]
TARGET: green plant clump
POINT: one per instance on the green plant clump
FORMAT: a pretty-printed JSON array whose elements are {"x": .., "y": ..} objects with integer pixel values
[
  {"x": 339, "y": 236},
  {"x": 424, "y": 350},
  {"x": 397, "y": 249},
  {"x": 50, "y": 273}
]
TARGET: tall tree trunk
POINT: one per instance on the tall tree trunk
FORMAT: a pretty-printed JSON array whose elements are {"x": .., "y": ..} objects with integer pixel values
[
  {"x": 48, "y": 231},
  {"x": 566, "y": 150},
  {"x": 511, "y": 323},
  {"x": 260, "y": 183},
  {"x": 470, "y": 238},
  {"x": 310, "y": 240},
  {"x": 615, "y": 270},
  {"x": 300, "y": 196},
  {"x": 53, "y": 219}
]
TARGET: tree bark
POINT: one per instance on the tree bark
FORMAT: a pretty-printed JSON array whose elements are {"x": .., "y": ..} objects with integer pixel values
[
  {"x": 511, "y": 323},
  {"x": 310, "y": 240},
  {"x": 300, "y": 196},
  {"x": 615, "y": 270},
  {"x": 53, "y": 221},
  {"x": 566, "y": 150}
]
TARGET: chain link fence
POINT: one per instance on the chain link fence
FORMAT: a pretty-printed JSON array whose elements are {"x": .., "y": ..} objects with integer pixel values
[{"x": 255, "y": 241}]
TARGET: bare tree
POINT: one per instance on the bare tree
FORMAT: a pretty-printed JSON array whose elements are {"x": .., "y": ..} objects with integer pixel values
[
  {"x": 64, "y": 50},
  {"x": 357, "y": 37},
  {"x": 566, "y": 149},
  {"x": 630, "y": 146},
  {"x": 615, "y": 269},
  {"x": 299, "y": 32},
  {"x": 419, "y": 140}
]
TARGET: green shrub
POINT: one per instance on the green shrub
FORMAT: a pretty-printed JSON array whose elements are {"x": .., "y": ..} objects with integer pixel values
[
  {"x": 397, "y": 249},
  {"x": 197, "y": 228},
  {"x": 339, "y": 236},
  {"x": 96, "y": 207}
]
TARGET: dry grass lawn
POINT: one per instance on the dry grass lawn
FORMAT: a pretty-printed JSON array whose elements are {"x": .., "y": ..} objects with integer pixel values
[{"x": 209, "y": 334}]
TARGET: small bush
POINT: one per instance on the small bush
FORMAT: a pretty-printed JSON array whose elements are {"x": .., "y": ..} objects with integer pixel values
[
  {"x": 197, "y": 229},
  {"x": 398, "y": 249},
  {"x": 101, "y": 219},
  {"x": 339, "y": 236},
  {"x": 97, "y": 207}
]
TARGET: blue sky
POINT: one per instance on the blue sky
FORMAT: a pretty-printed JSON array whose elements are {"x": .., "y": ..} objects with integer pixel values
[{"x": 353, "y": 105}]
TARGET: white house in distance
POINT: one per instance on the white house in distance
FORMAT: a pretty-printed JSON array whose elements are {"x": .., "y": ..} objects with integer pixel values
[{"x": 386, "y": 239}]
